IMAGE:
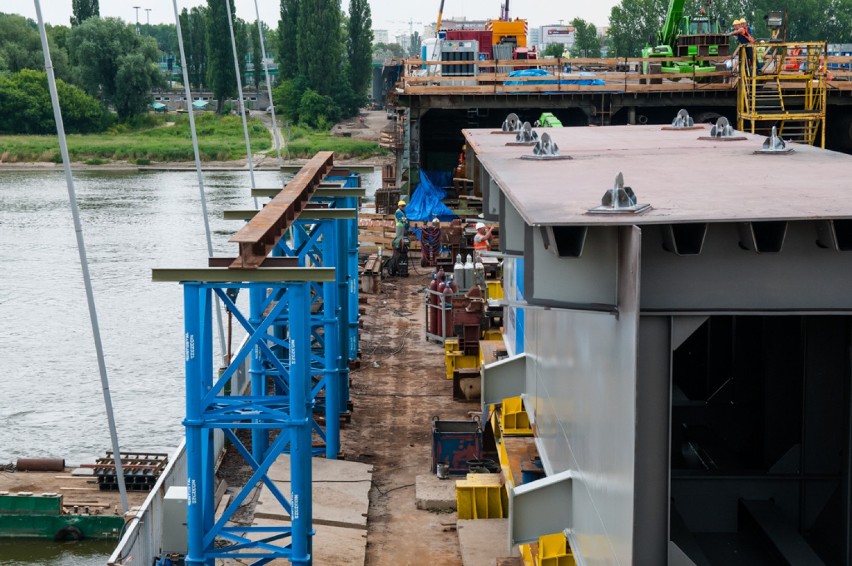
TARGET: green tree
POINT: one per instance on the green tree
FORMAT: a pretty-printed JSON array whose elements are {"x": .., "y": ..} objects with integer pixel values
[
  {"x": 242, "y": 39},
  {"x": 586, "y": 42},
  {"x": 220, "y": 57},
  {"x": 632, "y": 23},
  {"x": 359, "y": 45},
  {"x": 319, "y": 45},
  {"x": 135, "y": 78},
  {"x": 554, "y": 50},
  {"x": 383, "y": 51},
  {"x": 164, "y": 34},
  {"x": 109, "y": 54},
  {"x": 317, "y": 110},
  {"x": 414, "y": 44},
  {"x": 193, "y": 26},
  {"x": 20, "y": 46},
  {"x": 82, "y": 10},
  {"x": 288, "y": 31},
  {"x": 25, "y": 106},
  {"x": 287, "y": 96},
  {"x": 256, "y": 55}
]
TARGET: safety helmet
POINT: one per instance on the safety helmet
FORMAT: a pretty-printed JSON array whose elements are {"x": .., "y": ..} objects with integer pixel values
[
  {"x": 480, "y": 225},
  {"x": 401, "y": 203}
]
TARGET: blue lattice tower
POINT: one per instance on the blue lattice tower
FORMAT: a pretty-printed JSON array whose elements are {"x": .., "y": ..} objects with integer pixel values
[{"x": 289, "y": 415}]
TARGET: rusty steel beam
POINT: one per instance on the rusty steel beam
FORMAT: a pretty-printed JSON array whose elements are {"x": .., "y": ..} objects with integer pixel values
[{"x": 260, "y": 235}]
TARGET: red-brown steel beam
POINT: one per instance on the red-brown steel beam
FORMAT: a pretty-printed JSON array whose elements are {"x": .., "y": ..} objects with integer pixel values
[{"x": 261, "y": 234}]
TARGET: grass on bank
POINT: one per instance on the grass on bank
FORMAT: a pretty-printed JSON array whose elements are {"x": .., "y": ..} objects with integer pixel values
[
  {"x": 305, "y": 142},
  {"x": 220, "y": 138}
]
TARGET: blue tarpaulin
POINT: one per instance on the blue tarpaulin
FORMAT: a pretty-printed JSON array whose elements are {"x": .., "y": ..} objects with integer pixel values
[
  {"x": 550, "y": 79},
  {"x": 427, "y": 200}
]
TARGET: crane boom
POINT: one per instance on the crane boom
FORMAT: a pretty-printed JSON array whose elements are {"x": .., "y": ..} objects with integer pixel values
[
  {"x": 668, "y": 33},
  {"x": 440, "y": 17}
]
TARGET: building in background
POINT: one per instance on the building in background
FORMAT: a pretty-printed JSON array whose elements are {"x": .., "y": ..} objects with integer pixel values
[
  {"x": 404, "y": 40},
  {"x": 535, "y": 37},
  {"x": 380, "y": 36},
  {"x": 556, "y": 33}
]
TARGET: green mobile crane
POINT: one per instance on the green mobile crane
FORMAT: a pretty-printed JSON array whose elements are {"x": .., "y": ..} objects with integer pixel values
[{"x": 682, "y": 36}]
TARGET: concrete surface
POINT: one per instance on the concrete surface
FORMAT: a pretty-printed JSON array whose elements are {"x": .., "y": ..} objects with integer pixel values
[
  {"x": 340, "y": 493},
  {"x": 433, "y": 494},
  {"x": 323, "y": 470},
  {"x": 482, "y": 541},
  {"x": 332, "y": 546}
]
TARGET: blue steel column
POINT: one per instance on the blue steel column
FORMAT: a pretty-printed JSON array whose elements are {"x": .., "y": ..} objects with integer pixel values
[
  {"x": 342, "y": 278},
  {"x": 194, "y": 320},
  {"x": 259, "y": 436},
  {"x": 331, "y": 344},
  {"x": 351, "y": 243},
  {"x": 300, "y": 414}
]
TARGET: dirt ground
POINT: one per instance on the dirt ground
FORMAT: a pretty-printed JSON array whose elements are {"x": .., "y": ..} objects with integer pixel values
[
  {"x": 366, "y": 126},
  {"x": 391, "y": 426},
  {"x": 400, "y": 386}
]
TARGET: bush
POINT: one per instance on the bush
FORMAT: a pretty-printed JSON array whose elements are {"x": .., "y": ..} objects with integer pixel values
[
  {"x": 317, "y": 110},
  {"x": 287, "y": 97},
  {"x": 25, "y": 106}
]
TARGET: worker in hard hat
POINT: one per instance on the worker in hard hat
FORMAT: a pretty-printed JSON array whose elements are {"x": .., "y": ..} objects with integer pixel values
[
  {"x": 402, "y": 224},
  {"x": 482, "y": 239},
  {"x": 743, "y": 33}
]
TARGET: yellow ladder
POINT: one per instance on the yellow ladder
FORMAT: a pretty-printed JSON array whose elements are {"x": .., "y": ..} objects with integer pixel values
[{"x": 785, "y": 86}]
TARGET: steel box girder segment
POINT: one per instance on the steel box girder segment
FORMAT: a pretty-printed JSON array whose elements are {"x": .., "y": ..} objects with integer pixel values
[
  {"x": 257, "y": 238},
  {"x": 292, "y": 419}
]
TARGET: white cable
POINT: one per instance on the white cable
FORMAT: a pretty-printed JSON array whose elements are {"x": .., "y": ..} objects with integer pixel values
[
  {"x": 276, "y": 135},
  {"x": 84, "y": 262}
]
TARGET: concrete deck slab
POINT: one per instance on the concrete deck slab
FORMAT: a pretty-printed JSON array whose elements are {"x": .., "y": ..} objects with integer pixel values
[
  {"x": 482, "y": 541},
  {"x": 324, "y": 470},
  {"x": 332, "y": 546},
  {"x": 340, "y": 493},
  {"x": 433, "y": 494}
]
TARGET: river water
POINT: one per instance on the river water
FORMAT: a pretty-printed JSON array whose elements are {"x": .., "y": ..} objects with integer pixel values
[{"x": 51, "y": 403}]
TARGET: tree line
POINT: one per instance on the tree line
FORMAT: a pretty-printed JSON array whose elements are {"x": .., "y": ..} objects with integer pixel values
[
  {"x": 107, "y": 67},
  {"x": 633, "y": 22}
]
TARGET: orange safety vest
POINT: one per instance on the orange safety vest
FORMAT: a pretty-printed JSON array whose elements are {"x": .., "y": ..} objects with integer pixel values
[{"x": 482, "y": 246}]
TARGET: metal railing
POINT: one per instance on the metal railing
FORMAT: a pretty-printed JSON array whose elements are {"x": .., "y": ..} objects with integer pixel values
[
  {"x": 588, "y": 75},
  {"x": 140, "y": 542}
]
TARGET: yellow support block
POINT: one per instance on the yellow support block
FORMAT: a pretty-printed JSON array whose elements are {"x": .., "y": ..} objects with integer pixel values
[
  {"x": 482, "y": 496},
  {"x": 554, "y": 550},
  {"x": 492, "y": 335},
  {"x": 457, "y": 360},
  {"x": 515, "y": 419},
  {"x": 494, "y": 289},
  {"x": 451, "y": 345},
  {"x": 526, "y": 554}
]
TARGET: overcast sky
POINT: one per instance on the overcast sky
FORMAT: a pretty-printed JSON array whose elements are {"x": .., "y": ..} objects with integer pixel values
[{"x": 396, "y": 16}]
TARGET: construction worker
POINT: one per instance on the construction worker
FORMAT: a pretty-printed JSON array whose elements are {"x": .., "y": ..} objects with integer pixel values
[
  {"x": 482, "y": 239},
  {"x": 745, "y": 39},
  {"x": 402, "y": 224}
]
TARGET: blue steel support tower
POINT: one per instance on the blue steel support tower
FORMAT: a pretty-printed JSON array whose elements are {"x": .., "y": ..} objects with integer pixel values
[{"x": 295, "y": 361}]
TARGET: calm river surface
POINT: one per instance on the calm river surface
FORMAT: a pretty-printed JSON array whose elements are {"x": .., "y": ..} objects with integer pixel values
[{"x": 51, "y": 403}]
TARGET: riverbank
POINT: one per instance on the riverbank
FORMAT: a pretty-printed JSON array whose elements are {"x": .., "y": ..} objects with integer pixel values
[
  {"x": 261, "y": 163},
  {"x": 167, "y": 142}
]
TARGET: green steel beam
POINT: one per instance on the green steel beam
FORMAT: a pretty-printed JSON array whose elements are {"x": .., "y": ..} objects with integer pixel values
[
  {"x": 307, "y": 214},
  {"x": 227, "y": 275}
]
